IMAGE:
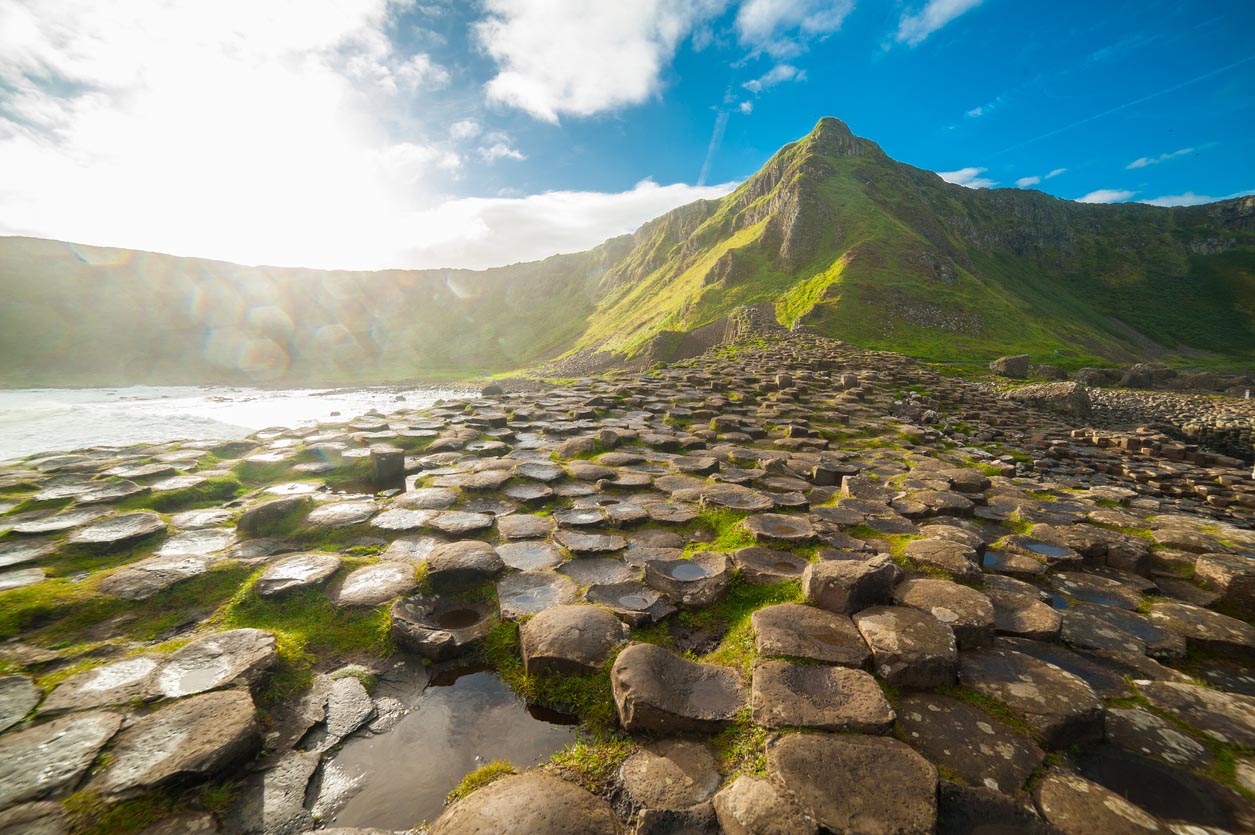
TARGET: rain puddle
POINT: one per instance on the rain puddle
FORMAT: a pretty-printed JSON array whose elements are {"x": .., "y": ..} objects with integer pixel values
[{"x": 465, "y": 719}]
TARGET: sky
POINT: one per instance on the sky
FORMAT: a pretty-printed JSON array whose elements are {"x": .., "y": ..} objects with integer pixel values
[{"x": 369, "y": 134}]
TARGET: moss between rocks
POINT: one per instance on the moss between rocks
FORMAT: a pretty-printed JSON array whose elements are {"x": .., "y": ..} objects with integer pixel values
[
  {"x": 91, "y": 815},
  {"x": 731, "y": 617},
  {"x": 593, "y": 760},
  {"x": 741, "y": 748},
  {"x": 479, "y": 778},
  {"x": 211, "y": 492}
]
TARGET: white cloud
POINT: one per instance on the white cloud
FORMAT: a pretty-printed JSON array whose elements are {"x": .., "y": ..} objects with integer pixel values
[
  {"x": 500, "y": 150},
  {"x": 465, "y": 129},
  {"x": 968, "y": 177},
  {"x": 746, "y": 107},
  {"x": 1143, "y": 162},
  {"x": 583, "y": 57},
  {"x": 1106, "y": 195},
  {"x": 1192, "y": 199},
  {"x": 483, "y": 232},
  {"x": 1025, "y": 182},
  {"x": 986, "y": 108},
  {"x": 778, "y": 74},
  {"x": 783, "y": 28},
  {"x": 913, "y": 29},
  {"x": 1055, "y": 173}
]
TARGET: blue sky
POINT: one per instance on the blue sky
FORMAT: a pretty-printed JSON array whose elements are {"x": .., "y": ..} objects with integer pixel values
[{"x": 377, "y": 133}]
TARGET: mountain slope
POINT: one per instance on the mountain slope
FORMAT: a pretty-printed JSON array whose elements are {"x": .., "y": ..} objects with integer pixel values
[{"x": 831, "y": 234}]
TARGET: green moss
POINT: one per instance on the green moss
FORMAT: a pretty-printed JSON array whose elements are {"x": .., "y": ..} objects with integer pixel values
[
  {"x": 479, "y": 778},
  {"x": 91, "y": 815},
  {"x": 742, "y": 748},
  {"x": 593, "y": 760},
  {"x": 586, "y": 695},
  {"x": 209, "y": 493},
  {"x": 731, "y": 616}
]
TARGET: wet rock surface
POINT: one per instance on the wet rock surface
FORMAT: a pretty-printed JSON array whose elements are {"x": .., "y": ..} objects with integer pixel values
[{"x": 800, "y": 539}]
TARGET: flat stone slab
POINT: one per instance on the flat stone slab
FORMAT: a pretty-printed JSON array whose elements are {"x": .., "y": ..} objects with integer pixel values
[
  {"x": 113, "y": 684},
  {"x": 461, "y": 522},
  {"x": 1075, "y": 806},
  {"x": 1091, "y": 626},
  {"x": 1142, "y": 732},
  {"x": 18, "y": 697},
  {"x": 373, "y": 585},
  {"x": 845, "y": 586},
  {"x": 193, "y": 520},
  {"x": 47, "y": 760},
  {"x": 215, "y": 661},
  {"x": 119, "y": 532},
  {"x": 530, "y": 592},
  {"x": 733, "y": 497},
  {"x": 17, "y": 553},
  {"x": 1056, "y": 704},
  {"x": 787, "y": 695},
  {"x": 909, "y": 648},
  {"x": 529, "y": 555},
  {"x": 751, "y": 805},
  {"x": 40, "y": 818},
  {"x": 1024, "y": 616},
  {"x": 524, "y": 526},
  {"x": 956, "y": 559},
  {"x": 341, "y": 514},
  {"x": 767, "y": 565},
  {"x": 592, "y": 571},
  {"x": 191, "y": 738},
  {"x": 1207, "y": 630},
  {"x": 671, "y": 775},
  {"x": 292, "y": 574},
  {"x": 145, "y": 578},
  {"x": 795, "y": 631},
  {"x": 1093, "y": 588},
  {"x": 197, "y": 542},
  {"x": 402, "y": 520},
  {"x": 427, "y": 498},
  {"x": 969, "y": 742},
  {"x": 21, "y": 577},
  {"x": 570, "y": 639},
  {"x": 410, "y": 549},
  {"x": 857, "y": 784},
  {"x": 633, "y": 601},
  {"x": 671, "y": 513},
  {"x": 589, "y": 543},
  {"x": 967, "y": 612},
  {"x": 1227, "y": 717},
  {"x": 656, "y": 690},
  {"x": 533, "y": 803},
  {"x": 59, "y": 522}
]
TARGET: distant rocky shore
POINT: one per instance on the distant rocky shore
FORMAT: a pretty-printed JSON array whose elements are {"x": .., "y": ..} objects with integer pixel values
[{"x": 788, "y": 586}]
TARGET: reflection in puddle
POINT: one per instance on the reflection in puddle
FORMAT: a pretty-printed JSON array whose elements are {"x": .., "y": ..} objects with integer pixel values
[{"x": 463, "y": 720}]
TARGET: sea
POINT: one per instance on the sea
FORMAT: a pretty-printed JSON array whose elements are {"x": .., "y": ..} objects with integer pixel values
[{"x": 60, "y": 420}]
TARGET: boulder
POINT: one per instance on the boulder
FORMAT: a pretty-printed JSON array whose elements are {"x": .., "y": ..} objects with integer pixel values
[
  {"x": 656, "y": 690},
  {"x": 909, "y": 648},
  {"x": 856, "y": 784},
  {"x": 191, "y": 738},
  {"x": 828, "y": 698},
  {"x": 1015, "y": 367},
  {"x": 1067, "y": 399},
  {"x": 47, "y": 760},
  {"x": 846, "y": 586},
  {"x": 570, "y": 639},
  {"x": 533, "y": 803}
]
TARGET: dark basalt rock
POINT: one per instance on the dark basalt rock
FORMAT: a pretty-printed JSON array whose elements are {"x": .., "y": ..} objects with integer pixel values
[
  {"x": 440, "y": 628},
  {"x": 655, "y": 690}
]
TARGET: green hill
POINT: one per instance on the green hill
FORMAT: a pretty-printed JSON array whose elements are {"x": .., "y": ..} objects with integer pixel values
[{"x": 831, "y": 234}]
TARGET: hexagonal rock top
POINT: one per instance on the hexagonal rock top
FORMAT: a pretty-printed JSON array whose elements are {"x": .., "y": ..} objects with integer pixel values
[
  {"x": 118, "y": 532},
  {"x": 18, "y": 697},
  {"x": 216, "y": 660},
  {"x": 299, "y": 571},
  {"x": 1207, "y": 630},
  {"x": 193, "y": 737},
  {"x": 797, "y": 631},
  {"x": 756, "y": 806},
  {"x": 779, "y": 527},
  {"x": 533, "y": 803},
  {"x": 341, "y": 514},
  {"x": 971, "y": 743},
  {"x": 857, "y": 784},
  {"x": 1056, "y": 704},
  {"x": 671, "y": 775},
  {"x": 49, "y": 759},
  {"x": 828, "y": 698},
  {"x": 1227, "y": 717},
  {"x": 953, "y": 557},
  {"x": 374, "y": 584},
  {"x": 965, "y": 610},
  {"x": 112, "y": 684},
  {"x": 660, "y": 691},
  {"x": 909, "y": 648},
  {"x": 459, "y": 565},
  {"x": 570, "y": 639},
  {"x": 846, "y": 586},
  {"x": 698, "y": 581}
]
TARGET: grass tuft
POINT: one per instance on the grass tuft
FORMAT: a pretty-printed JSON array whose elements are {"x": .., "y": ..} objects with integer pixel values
[{"x": 479, "y": 778}]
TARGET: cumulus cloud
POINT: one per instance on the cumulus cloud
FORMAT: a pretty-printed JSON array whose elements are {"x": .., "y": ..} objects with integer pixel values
[
  {"x": 465, "y": 129},
  {"x": 778, "y": 74},
  {"x": 1106, "y": 195},
  {"x": 483, "y": 232},
  {"x": 1025, "y": 182},
  {"x": 1143, "y": 162},
  {"x": 783, "y": 28},
  {"x": 914, "y": 28},
  {"x": 1192, "y": 199},
  {"x": 500, "y": 150},
  {"x": 583, "y": 57},
  {"x": 967, "y": 177}
]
